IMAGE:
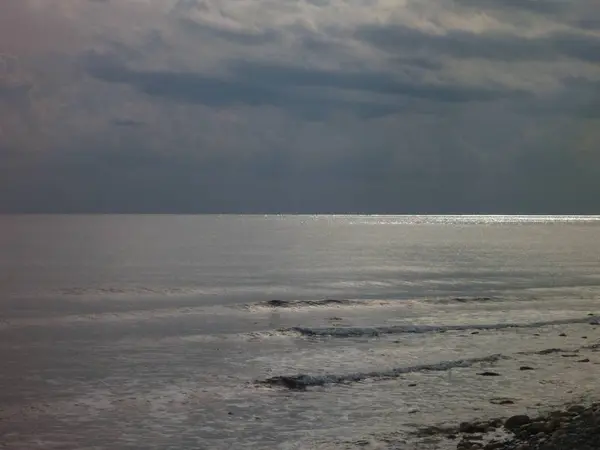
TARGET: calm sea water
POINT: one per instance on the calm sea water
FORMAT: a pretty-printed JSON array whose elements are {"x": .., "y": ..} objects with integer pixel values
[{"x": 151, "y": 332}]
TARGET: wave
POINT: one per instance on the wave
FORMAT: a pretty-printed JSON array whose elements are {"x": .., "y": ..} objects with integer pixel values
[
  {"x": 344, "y": 332},
  {"x": 278, "y": 304},
  {"x": 301, "y": 303},
  {"x": 303, "y": 381},
  {"x": 447, "y": 301}
]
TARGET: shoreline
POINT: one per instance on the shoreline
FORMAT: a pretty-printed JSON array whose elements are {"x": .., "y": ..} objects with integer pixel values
[{"x": 575, "y": 426}]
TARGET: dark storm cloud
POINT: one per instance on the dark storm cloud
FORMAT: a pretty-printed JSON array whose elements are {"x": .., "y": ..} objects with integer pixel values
[
  {"x": 535, "y": 6},
  {"x": 154, "y": 126},
  {"x": 256, "y": 84},
  {"x": 490, "y": 45}
]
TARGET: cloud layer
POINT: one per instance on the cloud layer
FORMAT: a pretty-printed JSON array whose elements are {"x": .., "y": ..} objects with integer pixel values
[{"x": 300, "y": 106}]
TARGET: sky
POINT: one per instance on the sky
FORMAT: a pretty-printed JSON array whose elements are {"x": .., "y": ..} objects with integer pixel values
[{"x": 300, "y": 106}]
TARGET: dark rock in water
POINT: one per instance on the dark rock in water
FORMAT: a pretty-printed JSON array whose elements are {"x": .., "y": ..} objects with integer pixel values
[
  {"x": 502, "y": 401},
  {"x": 577, "y": 409},
  {"x": 493, "y": 445},
  {"x": 291, "y": 382},
  {"x": 569, "y": 356},
  {"x": 412, "y": 384},
  {"x": 562, "y": 335},
  {"x": 583, "y": 337},
  {"x": 489, "y": 374},
  {"x": 549, "y": 351},
  {"x": 475, "y": 332},
  {"x": 536, "y": 427},
  {"x": 515, "y": 422},
  {"x": 288, "y": 304},
  {"x": 536, "y": 334},
  {"x": 584, "y": 360},
  {"x": 278, "y": 303},
  {"x": 474, "y": 299},
  {"x": 472, "y": 427},
  {"x": 230, "y": 413},
  {"x": 526, "y": 368},
  {"x": 436, "y": 430}
]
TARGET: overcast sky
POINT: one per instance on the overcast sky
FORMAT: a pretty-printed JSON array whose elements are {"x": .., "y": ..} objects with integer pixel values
[{"x": 374, "y": 106}]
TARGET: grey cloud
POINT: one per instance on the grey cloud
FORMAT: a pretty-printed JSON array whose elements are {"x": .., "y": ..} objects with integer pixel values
[
  {"x": 15, "y": 93},
  {"x": 577, "y": 98},
  {"x": 535, "y": 6},
  {"x": 239, "y": 37},
  {"x": 127, "y": 123},
  {"x": 289, "y": 87},
  {"x": 495, "y": 46}
]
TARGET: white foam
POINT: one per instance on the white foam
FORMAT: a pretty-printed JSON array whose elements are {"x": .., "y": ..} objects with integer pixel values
[
  {"x": 302, "y": 381},
  {"x": 343, "y": 332}
]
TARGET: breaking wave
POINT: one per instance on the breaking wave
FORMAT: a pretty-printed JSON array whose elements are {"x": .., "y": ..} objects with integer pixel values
[
  {"x": 343, "y": 332},
  {"x": 303, "y": 381},
  {"x": 321, "y": 303}
]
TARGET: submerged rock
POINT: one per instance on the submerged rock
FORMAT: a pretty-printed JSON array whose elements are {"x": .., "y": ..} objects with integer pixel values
[
  {"x": 488, "y": 373},
  {"x": 502, "y": 401}
]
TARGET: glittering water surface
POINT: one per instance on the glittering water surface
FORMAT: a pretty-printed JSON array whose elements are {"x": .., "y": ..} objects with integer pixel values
[{"x": 154, "y": 332}]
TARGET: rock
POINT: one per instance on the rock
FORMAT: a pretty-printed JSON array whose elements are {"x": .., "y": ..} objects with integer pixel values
[
  {"x": 515, "y": 422},
  {"x": 475, "y": 332},
  {"x": 495, "y": 423},
  {"x": 562, "y": 335},
  {"x": 493, "y": 445},
  {"x": 488, "y": 373},
  {"x": 412, "y": 384},
  {"x": 577, "y": 409},
  {"x": 278, "y": 303},
  {"x": 584, "y": 360},
  {"x": 553, "y": 425},
  {"x": 548, "y": 351},
  {"x": 526, "y": 368},
  {"x": 502, "y": 401},
  {"x": 471, "y": 427},
  {"x": 583, "y": 337},
  {"x": 537, "y": 427},
  {"x": 559, "y": 414}
]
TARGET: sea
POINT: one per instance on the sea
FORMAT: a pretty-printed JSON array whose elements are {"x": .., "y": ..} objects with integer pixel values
[{"x": 289, "y": 332}]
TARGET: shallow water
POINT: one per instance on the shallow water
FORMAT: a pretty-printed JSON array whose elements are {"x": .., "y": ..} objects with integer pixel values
[{"x": 152, "y": 331}]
